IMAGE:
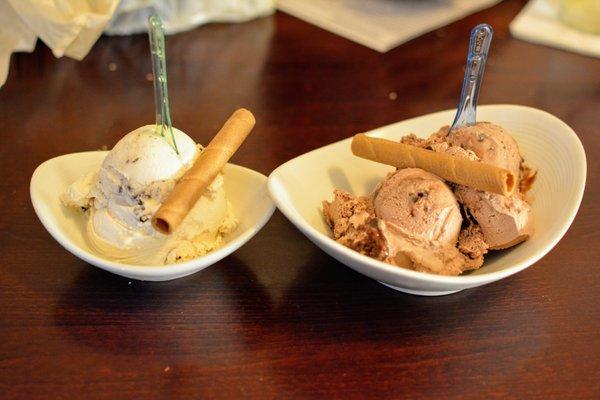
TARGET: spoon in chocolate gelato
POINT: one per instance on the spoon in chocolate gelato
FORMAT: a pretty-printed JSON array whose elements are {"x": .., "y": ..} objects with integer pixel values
[
  {"x": 479, "y": 46},
  {"x": 440, "y": 224},
  {"x": 505, "y": 221}
]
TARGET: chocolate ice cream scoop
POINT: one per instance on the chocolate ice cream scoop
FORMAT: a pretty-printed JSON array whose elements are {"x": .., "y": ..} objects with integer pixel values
[
  {"x": 490, "y": 142},
  {"x": 411, "y": 220},
  {"x": 420, "y": 203},
  {"x": 504, "y": 220}
]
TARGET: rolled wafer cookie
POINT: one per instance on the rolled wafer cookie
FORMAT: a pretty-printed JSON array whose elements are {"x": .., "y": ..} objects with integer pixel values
[
  {"x": 205, "y": 169},
  {"x": 463, "y": 171}
]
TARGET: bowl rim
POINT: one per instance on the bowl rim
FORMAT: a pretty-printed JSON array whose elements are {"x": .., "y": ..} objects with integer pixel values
[
  {"x": 145, "y": 271},
  {"x": 461, "y": 280}
]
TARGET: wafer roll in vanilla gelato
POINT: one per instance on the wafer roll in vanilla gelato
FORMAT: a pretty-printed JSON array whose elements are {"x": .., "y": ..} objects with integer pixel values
[{"x": 135, "y": 178}]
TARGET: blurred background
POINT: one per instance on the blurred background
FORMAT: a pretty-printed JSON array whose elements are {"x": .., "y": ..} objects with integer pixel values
[{"x": 70, "y": 28}]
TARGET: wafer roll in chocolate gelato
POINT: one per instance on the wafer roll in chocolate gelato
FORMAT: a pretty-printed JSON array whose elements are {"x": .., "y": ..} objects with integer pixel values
[
  {"x": 413, "y": 218},
  {"x": 504, "y": 220},
  {"x": 491, "y": 143}
]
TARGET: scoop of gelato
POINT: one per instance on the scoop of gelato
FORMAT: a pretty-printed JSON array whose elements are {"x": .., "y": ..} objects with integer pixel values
[
  {"x": 491, "y": 143},
  {"x": 419, "y": 202},
  {"x": 411, "y": 220},
  {"x": 135, "y": 178},
  {"x": 504, "y": 220}
]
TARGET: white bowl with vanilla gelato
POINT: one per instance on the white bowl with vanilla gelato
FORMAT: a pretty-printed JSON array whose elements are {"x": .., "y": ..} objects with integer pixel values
[{"x": 116, "y": 234}]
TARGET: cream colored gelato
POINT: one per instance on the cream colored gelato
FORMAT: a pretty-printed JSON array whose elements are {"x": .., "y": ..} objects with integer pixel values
[{"x": 135, "y": 178}]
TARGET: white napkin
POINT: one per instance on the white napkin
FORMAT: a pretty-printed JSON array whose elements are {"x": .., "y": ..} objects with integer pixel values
[
  {"x": 538, "y": 23},
  {"x": 181, "y": 15},
  {"x": 68, "y": 27},
  {"x": 71, "y": 27},
  {"x": 381, "y": 24},
  {"x": 15, "y": 36}
]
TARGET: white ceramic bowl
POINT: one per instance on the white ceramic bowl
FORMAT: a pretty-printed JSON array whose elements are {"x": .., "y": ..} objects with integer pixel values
[
  {"x": 299, "y": 186},
  {"x": 245, "y": 189}
]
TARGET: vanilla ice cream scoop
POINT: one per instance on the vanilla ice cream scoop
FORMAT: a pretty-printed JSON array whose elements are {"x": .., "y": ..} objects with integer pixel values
[
  {"x": 420, "y": 203},
  {"x": 135, "y": 178},
  {"x": 144, "y": 157}
]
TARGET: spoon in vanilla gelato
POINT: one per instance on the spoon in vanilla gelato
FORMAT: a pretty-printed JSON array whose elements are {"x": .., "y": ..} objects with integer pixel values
[
  {"x": 140, "y": 174},
  {"x": 135, "y": 178}
]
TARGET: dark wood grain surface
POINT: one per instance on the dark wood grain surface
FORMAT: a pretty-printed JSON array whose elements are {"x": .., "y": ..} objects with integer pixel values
[{"x": 279, "y": 318}]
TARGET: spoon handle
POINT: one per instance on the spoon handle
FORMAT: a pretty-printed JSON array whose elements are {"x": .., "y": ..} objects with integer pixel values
[
  {"x": 159, "y": 70},
  {"x": 481, "y": 37}
]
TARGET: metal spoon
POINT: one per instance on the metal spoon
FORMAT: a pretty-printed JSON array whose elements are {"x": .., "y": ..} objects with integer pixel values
[
  {"x": 159, "y": 70},
  {"x": 481, "y": 37}
]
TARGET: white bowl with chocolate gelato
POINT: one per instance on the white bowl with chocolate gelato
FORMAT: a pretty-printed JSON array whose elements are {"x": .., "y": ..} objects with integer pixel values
[{"x": 418, "y": 233}]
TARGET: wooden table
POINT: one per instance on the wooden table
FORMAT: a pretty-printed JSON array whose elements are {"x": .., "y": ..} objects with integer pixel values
[{"x": 279, "y": 318}]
